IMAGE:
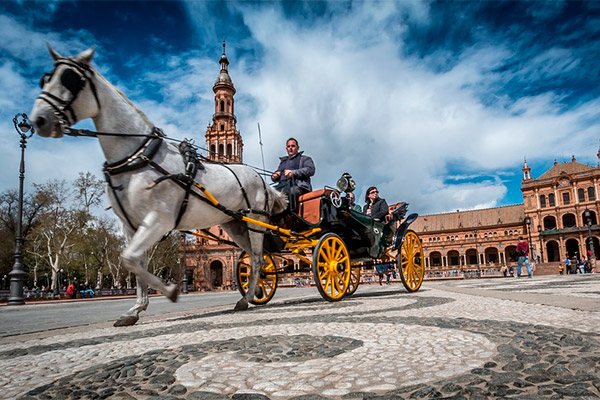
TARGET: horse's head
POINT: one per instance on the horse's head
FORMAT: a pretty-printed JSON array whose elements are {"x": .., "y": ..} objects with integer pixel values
[{"x": 68, "y": 94}]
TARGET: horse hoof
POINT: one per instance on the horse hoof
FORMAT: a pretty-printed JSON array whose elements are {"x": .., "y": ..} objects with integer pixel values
[
  {"x": 172, "y": 292},
  {"x": 126, "y": 321},
  {"x": 241, "y": 305}
]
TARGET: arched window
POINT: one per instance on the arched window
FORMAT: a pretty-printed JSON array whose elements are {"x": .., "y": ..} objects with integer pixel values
[
  {"x": 221, "y": 149},
  {"x": 542, "y": 201},
  {"x": 549, "y": 223},
  {"x": 221, "y": 106},
  {"x": 566, "y": 198},
  {"x": 222, "y": 127},
  {"x": 581, "y": 195},
  {"x": 568, "y": 220},
  {"x": 213, "y": 149},
  {"x": 591, "y": 193},
  {"x": 551, "y": 200},
  {"x": 229, "y": 150}
]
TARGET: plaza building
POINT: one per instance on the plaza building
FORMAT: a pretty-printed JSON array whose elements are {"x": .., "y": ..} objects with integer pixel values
[
  {"x": 558, "y": 216},
  {"x": 210, "y": 264}
]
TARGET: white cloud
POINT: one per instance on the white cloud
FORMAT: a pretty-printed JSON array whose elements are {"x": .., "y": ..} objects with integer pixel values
[{"x": 344, "y": 89}]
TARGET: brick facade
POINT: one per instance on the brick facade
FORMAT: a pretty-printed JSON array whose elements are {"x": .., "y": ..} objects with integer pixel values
[{"x": 551, "y": 217}]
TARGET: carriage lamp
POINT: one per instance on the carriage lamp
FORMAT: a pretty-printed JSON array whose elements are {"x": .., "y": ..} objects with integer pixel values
[
  {"x": 345, "y": 183},
  {"x": 587, "y": 214},
  {"x": 17, "y": 275}
]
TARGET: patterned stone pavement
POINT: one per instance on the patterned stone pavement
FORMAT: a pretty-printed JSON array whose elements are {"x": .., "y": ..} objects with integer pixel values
[{"x": 473, "y": 339}]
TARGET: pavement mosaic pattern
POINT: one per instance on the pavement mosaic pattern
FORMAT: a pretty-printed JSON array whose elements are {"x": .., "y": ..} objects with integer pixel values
[{"x": 380, "y": 343}]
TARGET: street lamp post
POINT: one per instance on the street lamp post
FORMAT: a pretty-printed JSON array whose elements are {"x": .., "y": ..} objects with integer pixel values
[
  {"x": 541, "y": 244},
  {"x": 184, "y": 265},
  {"x": 588, "y": 217},
  {"x": 17, "y": 275},
  {"x": 477, "y": 255},
  {"x": 528, "y": 223}
]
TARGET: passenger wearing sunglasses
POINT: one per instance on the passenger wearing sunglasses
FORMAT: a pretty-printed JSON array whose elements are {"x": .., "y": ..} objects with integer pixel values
[{"x": 375, "y": 206}]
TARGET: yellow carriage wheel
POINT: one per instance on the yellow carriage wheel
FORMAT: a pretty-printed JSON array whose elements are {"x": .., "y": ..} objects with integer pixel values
[
  {"x": 411, "y": 262},
  {"x": 354, "y": 281},
  {"x": 331, "y": 267},
  {"x": 267, "y": 280}
]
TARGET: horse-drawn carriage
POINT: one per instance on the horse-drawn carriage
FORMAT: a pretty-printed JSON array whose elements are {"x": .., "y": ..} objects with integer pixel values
[
  {"x": 342, "y": 242},
  {"x": 155, "y": 187}
]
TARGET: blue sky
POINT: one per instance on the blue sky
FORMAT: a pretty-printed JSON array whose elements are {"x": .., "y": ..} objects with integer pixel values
[{"x": 436, "y": 103}]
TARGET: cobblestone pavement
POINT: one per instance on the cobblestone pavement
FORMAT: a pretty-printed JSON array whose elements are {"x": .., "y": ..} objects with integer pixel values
[{"x": 473, "y": 339}]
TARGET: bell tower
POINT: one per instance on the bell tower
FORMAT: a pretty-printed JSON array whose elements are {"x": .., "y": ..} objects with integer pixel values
[{"x": 223, "y": 140}]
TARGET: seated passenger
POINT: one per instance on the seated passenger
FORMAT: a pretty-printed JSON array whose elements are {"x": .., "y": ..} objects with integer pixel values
[
  {"x": 375, "y": 206},
  {"x": 294, "y": 172},
  {"x": 352, "y": 202}
]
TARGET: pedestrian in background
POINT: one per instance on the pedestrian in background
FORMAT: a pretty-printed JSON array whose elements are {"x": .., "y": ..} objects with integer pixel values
[{"x": 523, "y": 253}]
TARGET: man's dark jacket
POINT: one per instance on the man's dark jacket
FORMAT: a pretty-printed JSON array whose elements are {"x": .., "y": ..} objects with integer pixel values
[{"x": 302, "y": 168}]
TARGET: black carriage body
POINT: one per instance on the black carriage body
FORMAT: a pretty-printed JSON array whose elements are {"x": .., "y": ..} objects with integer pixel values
[{"x": 363, "y": 236}]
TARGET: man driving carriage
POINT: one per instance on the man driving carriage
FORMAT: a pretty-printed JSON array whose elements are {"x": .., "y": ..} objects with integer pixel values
[{"x": 294, "y": 172}]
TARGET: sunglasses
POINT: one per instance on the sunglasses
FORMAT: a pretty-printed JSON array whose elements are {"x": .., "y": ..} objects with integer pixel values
[{"x": 373, "y": 191}]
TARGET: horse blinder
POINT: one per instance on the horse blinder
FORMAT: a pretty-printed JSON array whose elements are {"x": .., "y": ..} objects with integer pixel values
[{"x": 72, "y": 81}]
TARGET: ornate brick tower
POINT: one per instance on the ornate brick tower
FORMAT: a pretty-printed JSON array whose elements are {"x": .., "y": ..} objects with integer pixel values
[
  {"x": 223, "y": 140},
  {"x": 210, "y": 264}
]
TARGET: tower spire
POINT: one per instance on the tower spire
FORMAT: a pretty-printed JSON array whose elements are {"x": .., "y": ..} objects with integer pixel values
[{"x": 526, "y": 170}]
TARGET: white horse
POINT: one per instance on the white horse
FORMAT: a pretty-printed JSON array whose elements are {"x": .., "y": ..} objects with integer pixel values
[{"x": 135, "y": 159}]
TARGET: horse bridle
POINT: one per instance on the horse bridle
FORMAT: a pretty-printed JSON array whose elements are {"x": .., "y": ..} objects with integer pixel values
[{"x": 73, "y": 79}]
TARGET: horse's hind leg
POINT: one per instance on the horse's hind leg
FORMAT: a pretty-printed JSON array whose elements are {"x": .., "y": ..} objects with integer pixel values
[
  {"x": 133, "y": 314},
  {"x": 252, "y": 242}
]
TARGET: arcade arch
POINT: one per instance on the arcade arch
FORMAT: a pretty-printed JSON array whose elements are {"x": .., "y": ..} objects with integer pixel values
[
  {"x": 491, "y": 255},
  {"x": 453, "y": 258},
  {"x": 572, "y": 246},
  {"x": 216, "y": 274},
  {"x": 552, "y": 252},
  {"x": 435, "y": 259}
]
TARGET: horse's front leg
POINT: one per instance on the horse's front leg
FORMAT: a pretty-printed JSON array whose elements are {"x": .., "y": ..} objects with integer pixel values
[
  {"x": 131, "y": 316},
  {"x": 256, "y": 245},
  {"x": 150, "y": 232}
]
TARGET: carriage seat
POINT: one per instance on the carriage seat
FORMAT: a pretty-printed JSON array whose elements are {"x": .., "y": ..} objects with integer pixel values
[{"x": 309, "y": 205}]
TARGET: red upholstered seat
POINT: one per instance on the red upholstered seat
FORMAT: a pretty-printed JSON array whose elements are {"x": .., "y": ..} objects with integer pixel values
[{"x": 309, "y": 205}]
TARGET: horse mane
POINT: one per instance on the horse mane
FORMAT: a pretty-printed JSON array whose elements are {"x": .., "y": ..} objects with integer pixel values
[{"x": 125, "y": 99}]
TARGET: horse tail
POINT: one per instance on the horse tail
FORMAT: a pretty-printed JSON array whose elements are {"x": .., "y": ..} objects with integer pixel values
[{"x": 281, "y": 200}]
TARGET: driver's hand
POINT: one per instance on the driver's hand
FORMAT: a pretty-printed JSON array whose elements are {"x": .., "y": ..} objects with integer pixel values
[
  {"x": 287, "y": 173},
  {"x": 276, "y": 175}
]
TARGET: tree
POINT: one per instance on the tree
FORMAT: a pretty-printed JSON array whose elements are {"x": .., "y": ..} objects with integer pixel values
[
  {"x": 57, "y": 226},
  {"x": 88, "y": 189},
  {"x": 163, "y": 257},
  {"x": 33, "y": 207}
]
